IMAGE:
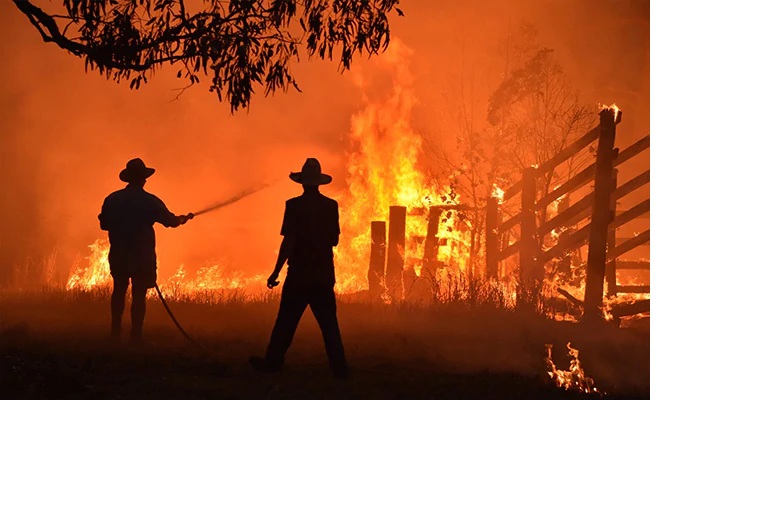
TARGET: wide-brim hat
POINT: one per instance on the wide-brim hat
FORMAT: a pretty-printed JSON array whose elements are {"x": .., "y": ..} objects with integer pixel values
[
  {"x": 135, "y": 169},
  {"x": 311, "y": 174}
]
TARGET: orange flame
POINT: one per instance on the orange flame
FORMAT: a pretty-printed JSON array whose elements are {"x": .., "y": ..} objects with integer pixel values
[
  {"x": 383, "y": 171},
  {"x": 96, "y": 273},
  {"x": 497, "y": 193},
  {"x": 575, "y": 377},
  {"x": 208, "y": 278},
  {"x": 613, "y": 107}
]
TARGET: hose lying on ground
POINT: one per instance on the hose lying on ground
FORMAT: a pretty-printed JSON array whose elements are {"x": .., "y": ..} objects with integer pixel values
[{"x": 175, "y": 321}]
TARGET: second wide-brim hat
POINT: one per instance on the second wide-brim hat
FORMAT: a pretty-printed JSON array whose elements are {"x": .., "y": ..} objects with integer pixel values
[{"x": 311, "y": 174}]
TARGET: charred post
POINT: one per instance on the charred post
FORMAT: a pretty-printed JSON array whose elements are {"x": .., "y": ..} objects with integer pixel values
[
  {"x": 396, "y": 252},
  {"x": 601, "y": 216},
  {"x": 492, "y": 238},
  {"x": 610, "y": 267},
  {"x": 378, "y": 259},
  {"x": 528, "y": 287}
]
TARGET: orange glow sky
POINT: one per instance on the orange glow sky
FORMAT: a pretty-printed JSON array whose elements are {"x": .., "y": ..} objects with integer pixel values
[{"x": 66, "y": 134}]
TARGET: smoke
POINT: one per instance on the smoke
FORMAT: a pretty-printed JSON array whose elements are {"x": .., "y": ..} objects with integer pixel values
[{"x": 66, "y": 134}]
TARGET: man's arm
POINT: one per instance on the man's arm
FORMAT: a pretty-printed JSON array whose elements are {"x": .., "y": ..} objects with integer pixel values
[
  {"x": 167, "y": 218},
  {"x": 286, "y": 247},
  {"x": 288, "y": 231}
]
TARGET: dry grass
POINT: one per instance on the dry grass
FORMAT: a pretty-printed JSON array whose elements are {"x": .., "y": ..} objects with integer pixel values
[{"x": 454, "y": 349}]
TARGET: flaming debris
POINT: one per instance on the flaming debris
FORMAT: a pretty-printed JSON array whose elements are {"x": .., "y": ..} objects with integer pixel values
[{"x": 575, "y": 378}]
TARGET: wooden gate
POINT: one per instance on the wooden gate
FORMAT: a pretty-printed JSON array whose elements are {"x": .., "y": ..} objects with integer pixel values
[{"x": 599, "y": 234}]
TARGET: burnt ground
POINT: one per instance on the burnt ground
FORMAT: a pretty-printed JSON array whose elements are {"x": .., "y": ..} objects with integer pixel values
[{"x": 52, "y": 346}]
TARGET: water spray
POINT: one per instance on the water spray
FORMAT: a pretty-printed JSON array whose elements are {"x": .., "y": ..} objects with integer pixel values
[{"x": 230, "y": 201}]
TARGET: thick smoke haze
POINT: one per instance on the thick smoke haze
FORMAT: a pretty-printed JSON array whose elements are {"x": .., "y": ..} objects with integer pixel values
[{"x": 66, "y": 133}]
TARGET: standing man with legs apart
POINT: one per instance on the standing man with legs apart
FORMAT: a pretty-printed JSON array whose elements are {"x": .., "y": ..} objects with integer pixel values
[
  {"x": 310, "y": 231},
  {"x": 128, "y": 215}
]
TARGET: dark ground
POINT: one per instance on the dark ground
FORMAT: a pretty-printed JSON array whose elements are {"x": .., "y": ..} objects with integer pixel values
[{"x": 53, "y": 346}]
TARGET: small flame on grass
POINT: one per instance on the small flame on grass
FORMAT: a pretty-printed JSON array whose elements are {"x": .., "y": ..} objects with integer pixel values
[
  {"x": 96, "y": 273},
  {"x": 575, "y": 377}
]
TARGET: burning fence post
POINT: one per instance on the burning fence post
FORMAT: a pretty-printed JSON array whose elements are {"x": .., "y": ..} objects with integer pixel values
[
  {"x": 396, "y": 252},
  {"x": 610, "y": 267},
  {"x": 492, "y": 238},
  {"x": 601, "y": 215},
  {"x": 431, "y": 243},
  {"x": 528, "y": 287},
  {"x": 378, "y": 259}
]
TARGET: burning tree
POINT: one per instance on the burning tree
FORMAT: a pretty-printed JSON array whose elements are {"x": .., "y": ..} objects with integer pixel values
[
  {"x": 470, "y": 172},
  {"x": 532, "y": 114},
  {"x": 384, "y": 171},
  {"x": 240, "y": 42}
]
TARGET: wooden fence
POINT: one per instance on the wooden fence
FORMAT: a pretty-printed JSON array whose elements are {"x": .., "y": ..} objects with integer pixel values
[
  {"x": 388, "y": 241},
  {"x": 599, "y": 234}
]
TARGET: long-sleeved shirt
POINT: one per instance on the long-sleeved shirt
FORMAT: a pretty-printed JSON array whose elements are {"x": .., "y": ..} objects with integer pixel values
[{"x": 128, "y": 215}]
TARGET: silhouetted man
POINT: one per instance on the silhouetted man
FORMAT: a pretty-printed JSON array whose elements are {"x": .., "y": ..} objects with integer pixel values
[
  {"x": 310, "y": 231},
  {"x": 128, "y": 215}
]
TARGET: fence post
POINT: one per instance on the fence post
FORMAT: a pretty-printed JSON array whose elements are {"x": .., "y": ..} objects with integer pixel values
[
  {"x": 431, "y": 243},
  {"x": 492, "y": 238},
  {"x": 378, "y": 259},
  {"x": 528, "y": 287},
  {"x": 601, "y": 217},
  {"x": 396, "y": 252},
  {"x": 610, "y": 268}
]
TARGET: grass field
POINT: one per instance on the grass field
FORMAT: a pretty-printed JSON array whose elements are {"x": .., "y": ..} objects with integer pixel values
[{"x": 53, "y": 345}]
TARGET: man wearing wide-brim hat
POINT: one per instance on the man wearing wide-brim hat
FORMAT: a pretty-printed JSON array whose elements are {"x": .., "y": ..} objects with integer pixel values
[
  {"x": 128, "y": 215},
  {"x": 310, "y": 231}
]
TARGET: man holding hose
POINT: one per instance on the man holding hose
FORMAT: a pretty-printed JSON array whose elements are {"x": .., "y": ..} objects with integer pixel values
[{"x": 128, "y": 215}]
